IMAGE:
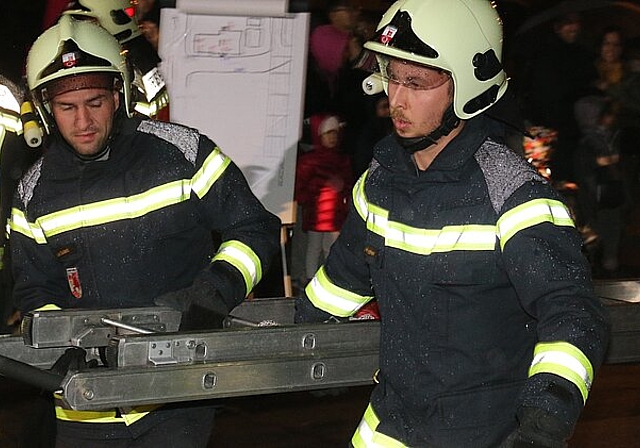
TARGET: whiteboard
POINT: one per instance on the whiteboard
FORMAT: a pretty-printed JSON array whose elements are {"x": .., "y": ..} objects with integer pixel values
[{"x": 240, "y": 80}]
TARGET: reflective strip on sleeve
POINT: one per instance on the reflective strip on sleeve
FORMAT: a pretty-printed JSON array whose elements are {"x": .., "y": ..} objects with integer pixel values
[
  {"x": 331, "y": 298},
  {"x": 18, "y": 223},
  {"x": 564, "y": 360},
  {"x": 209, "y": 173},
  {"x": 359, "y": 198},
  {"x": 532, "y": 213},
  {"x": 367, "y": 437},
  {"x": 244, "y": 259}
]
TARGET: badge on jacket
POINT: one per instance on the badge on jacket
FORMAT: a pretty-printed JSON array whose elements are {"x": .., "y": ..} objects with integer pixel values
[{"x": 73, "y": 278}]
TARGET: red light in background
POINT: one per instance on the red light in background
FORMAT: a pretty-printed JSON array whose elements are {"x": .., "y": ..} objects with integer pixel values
[{"x": 130, "y": 11}]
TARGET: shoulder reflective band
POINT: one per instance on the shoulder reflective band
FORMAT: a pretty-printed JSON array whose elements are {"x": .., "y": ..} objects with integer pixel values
[
  {"x": 121, "y": 208},
  {"x": 566, "y": 361},
  {"x": 474, "y": 237},
  {"x": 244, "y": 259},
  {"x": 530, "y": 214},
  {"x": 331, "y": 298},
  {"x": 367, "y": 437}
]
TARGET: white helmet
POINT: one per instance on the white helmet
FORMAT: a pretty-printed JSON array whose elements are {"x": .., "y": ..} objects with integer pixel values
[
  {"x": 461, "y": 37},
  {"x": 116, "y": 16},
  {"x": 75, "y": 54}
]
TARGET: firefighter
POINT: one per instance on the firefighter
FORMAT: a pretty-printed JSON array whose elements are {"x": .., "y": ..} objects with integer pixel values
[
  {"x": 121, "y": 212},
  {"x": 490, "y": 330},
  {"x": 15, "y": 158},
  {"x": 118, "y": 17}
]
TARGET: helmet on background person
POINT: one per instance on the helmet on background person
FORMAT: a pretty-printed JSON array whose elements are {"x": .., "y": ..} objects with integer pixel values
[
  {"x": 116, "y": 16},
  {"x": 74, "y": 55},
  {"x": 460, "y": 37}
]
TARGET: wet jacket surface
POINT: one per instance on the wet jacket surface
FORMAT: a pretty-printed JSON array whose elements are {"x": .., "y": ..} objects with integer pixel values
[
  {"x": 120, "y": 232},
  {"x": 473, "y": 262}
]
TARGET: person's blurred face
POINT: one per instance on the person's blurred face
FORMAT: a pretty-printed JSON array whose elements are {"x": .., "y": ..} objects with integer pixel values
[
  {"x": 85, "y": 118},
  {"x": 569, "y": 32},
  {"x": 329, "y": 139},
  {"x": 611, "y": 47},
  {"x": 342, "y": 18},
  {"x": 418, "y": 98}
]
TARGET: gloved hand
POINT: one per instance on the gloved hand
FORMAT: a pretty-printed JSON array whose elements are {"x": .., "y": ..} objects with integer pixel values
[
  {"x": 307, "y": 313},
  {"x": 74, "y": 359},
  {"x": 538, "y": 429},
  {"x": 202, "y": 306}
]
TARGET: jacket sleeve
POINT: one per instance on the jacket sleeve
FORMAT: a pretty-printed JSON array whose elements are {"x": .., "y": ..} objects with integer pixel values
[
  {"x": 249, "y": 234},
  {"x": 35, "y": 268},
  {"x": 342, "y": 285},
  {"x": 542, "y": 255}
]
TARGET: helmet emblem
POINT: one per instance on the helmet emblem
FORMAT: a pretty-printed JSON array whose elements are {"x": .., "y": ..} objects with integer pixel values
[
  {"x": 388, "y": 34},
  {"x": 70, "y": 59}
]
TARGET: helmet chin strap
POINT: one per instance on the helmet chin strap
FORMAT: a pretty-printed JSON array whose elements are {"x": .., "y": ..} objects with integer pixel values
[{"x": 414, "y": 144}]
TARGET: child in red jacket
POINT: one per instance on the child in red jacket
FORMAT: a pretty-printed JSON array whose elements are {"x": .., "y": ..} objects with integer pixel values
[{"x": 324, "y": 179}]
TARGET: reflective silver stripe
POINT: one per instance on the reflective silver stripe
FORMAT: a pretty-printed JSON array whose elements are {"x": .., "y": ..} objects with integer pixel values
[
  {"x": 532, "y": 213},
  {"x": 565, "y": 360},
  {"x": 422, "y": 241},
  {"x": 367, "y": 437},
  {"x": 331, "y": 298},
  {"x": 244, "y": 259},
  {"x": 129, "y": 207}
]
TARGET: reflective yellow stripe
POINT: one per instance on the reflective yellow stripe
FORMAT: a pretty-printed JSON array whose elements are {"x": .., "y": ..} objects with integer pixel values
[
  {"x": 18, "y": 223},
  {"x": 152, "y": 108},
  {"x": 128, "y": 418},
  {"x": 367, "y": 437},
  {"x": 210, "y": 172},
  {"x": 359, "y": 197},
  {"x": 243, "y": 258},
  {"x": 565, "y": 360},
  {"x": 121, "y": 208},
  {"x": 48, "y": 307},
  {"x": 331, "y": 298},
  {"x": 530, "y": 214},
  {"x": 422, "y": 241},
  {"x": 447, "y": 239},
  {"x": 87, "y": 416}
]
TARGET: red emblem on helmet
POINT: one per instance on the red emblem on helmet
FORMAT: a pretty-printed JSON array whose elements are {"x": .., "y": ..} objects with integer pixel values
[
  {"x": 70, "y": 59},
  {"x": 387, "y": 35},
  {"x": 73, "y": 278}
]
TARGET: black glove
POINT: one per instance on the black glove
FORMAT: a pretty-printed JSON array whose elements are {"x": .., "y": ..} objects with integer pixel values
[
  {"x": 202, "y": 305},
  {"x": 74, "y": 359},
  {"x": 538, "y": 429},
  {"x": 307, "y": 313}
]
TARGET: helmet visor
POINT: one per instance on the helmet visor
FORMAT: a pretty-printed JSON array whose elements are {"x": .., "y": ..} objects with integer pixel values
[{"x": 411, "y": 75}]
